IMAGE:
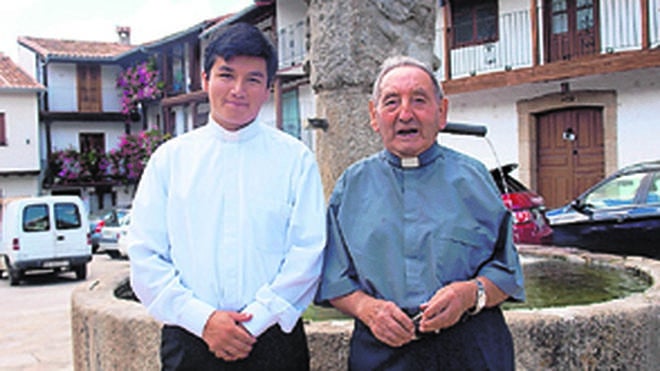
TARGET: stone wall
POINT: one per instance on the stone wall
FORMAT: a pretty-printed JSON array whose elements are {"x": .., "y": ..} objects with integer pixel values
[{"x": 114, "y": 334}]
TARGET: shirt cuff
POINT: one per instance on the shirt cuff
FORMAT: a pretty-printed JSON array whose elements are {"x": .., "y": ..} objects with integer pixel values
[
  {"x": 261, "y": 320},
  {"x": 267, "y": 310},
  {"x": 194, "y": 316}
]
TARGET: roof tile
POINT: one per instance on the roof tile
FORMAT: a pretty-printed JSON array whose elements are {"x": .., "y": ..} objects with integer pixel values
[
  {"x": 73, "y": 48},
  {"x": 12, "y": 76}
]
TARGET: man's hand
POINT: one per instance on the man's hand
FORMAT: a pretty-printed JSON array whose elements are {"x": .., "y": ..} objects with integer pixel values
[
  {"x": 226, "y": 337},
  {"x": 447, "y": 306},
  {"x": 386, "y": 320},
  {"x": 450, "y": 302}
]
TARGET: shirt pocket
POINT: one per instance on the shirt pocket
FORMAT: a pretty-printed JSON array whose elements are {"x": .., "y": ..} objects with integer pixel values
[
  {"x": 459, "y": 252},
  {"x": 270, "y": 219}
]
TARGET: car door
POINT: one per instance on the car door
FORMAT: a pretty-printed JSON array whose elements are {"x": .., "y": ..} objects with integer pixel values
[
  {"x": 615, "y": 211},
  {"x": 36, "y": 235},
  {"x": 70, "y": 234}
]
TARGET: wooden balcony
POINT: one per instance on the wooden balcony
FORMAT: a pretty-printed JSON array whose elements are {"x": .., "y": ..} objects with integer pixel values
[{"x": 625, "y": 36}]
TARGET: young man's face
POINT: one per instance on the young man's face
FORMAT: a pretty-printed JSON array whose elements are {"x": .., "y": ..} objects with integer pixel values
[
  {"x": 237, "y": 89},
  {"x": 408, "y": 116}
]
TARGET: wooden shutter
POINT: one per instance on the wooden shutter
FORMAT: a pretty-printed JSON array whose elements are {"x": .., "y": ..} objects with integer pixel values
[{"x": 89, "y": 88}]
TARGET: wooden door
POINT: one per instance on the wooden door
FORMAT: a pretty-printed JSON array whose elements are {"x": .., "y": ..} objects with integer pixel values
[
  {"x": 570, "y": 153},
  {"x": 571, "y": 29},
  {"x": 89, "y": 88}
]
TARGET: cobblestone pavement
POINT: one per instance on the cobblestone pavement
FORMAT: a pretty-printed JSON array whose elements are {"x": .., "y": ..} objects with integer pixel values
[{"x": 35, "y": 319}]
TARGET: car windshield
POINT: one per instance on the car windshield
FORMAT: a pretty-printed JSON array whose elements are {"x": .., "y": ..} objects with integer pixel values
[{"x": 620, "y": 191}]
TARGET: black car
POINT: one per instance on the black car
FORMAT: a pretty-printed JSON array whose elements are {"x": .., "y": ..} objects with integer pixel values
[{"x": 619, "y": 215}]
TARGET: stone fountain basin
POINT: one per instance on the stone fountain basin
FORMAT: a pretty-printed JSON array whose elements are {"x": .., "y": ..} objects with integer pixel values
[{"x": 115, "y": 334}]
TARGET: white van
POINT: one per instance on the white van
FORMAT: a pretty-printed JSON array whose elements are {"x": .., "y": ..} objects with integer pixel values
[{"x": 44, "y": 233}]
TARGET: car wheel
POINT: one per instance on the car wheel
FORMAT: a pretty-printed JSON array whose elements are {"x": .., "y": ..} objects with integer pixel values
[
  {"x": 15, "y": 276},
  {"x": 81, "y": 271}
]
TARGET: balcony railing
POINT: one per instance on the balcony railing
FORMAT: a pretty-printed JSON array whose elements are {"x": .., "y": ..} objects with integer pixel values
[{"x": 620, "y": 30}]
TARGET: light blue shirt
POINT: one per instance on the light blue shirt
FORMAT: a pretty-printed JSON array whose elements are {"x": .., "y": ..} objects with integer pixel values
[
  {"x": 230, "y": 221},
  {"x": 400, "y": 234}
]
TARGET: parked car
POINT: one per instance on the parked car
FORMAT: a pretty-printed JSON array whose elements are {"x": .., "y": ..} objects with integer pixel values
[
  {"x": 46, "y": 233},
  {"x": 530, "y": 225},
  {"x": 122, "y": 240},
  {"x": 108, "y": 227},
  {"x": 620, "y": 214}
]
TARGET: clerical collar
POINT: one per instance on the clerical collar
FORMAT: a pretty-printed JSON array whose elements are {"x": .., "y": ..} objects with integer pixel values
[
  {"x": 423, "y": 159},
  {"x": 245, "y": 133}
]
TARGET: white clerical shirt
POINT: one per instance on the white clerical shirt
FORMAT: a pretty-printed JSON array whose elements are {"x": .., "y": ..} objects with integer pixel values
[{"x": 229, "y": 221}]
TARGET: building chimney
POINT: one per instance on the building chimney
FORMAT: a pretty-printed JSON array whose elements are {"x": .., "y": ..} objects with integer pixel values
[{"x": 124, "y": 33}]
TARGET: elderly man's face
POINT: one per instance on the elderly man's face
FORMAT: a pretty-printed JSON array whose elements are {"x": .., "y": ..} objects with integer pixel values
[{"x": 408, "y": 115}]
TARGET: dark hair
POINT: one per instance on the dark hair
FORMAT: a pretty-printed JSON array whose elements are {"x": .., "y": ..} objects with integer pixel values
[{"x": 241, "y": 39}]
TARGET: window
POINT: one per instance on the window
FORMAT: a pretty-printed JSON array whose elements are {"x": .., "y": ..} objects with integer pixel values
[
  {"x": 35, "y": 218},
  {"x": 67, "y": 216},
  {"x": 3, "y": 133},
  {"x": 474, "y": 22},
  {"x": 617, "y": 192},
  {"x": 654, "y": 191},
  {"x": 178, "y": 72},
  {"x": 89, "y": 87},
  {"x": 291, "y": 113}
]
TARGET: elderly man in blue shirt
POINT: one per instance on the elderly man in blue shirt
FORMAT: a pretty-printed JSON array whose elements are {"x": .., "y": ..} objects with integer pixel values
[
  {"x": 420, "y": 247},
  {"x": 228, "y": 225}
]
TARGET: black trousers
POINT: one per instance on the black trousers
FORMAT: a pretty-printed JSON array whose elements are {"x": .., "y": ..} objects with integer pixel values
[
  {"x": 274, "y": 350},
  {"x": 479, "y": 343}
]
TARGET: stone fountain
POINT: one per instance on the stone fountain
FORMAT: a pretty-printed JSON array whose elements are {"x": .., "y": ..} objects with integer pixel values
[{"x": 109, "y": 333}]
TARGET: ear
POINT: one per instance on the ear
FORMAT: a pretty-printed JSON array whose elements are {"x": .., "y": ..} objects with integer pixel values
[
  {"x": 205, "y": 81},
  {"x": 442, "y": 116},
  {"x": 372, "y": 116}
]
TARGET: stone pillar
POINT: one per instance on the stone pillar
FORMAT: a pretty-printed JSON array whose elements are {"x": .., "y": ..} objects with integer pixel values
[{"x": 349, "y": 39}]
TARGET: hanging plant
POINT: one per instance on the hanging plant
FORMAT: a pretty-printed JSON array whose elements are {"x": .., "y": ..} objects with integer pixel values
[{"x": 139, "y": 83}]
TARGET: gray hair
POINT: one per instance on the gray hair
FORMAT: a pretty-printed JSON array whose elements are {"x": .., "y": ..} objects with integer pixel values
[{"x": 399, "y": 61}]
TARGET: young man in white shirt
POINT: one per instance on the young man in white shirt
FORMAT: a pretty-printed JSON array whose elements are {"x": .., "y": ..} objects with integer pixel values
[{"x": 228, "y": 225}]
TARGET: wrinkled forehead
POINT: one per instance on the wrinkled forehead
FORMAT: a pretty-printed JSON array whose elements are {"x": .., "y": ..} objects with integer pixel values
[{"x": 409, "y": 79}]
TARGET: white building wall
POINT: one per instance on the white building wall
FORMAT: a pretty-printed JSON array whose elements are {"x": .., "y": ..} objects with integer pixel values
[
  {"x": 65, "y": 134},
  {"x": 307, "y": 109},
  {"x": 27, "y": 61},
  {"x": 16, "y": 186},
  {"x": 22, "y": 149},
  {"x": 637, "y": 112},
  {"x": 62, "y": 87},
  {"x": 110, "y": 93}
]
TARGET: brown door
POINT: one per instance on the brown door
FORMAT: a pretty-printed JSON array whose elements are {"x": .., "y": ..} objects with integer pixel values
[
  {"x": 89, "y": 88},
  {"x": 570, "y": 153},
  {"x": 570, "y": 29}
]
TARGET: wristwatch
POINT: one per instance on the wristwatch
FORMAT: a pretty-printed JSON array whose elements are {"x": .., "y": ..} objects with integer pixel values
[{"x": 480, "y": 300}]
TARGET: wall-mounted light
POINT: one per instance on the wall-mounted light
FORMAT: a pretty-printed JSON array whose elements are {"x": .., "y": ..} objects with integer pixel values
[{"x": 317, "y": 123}]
